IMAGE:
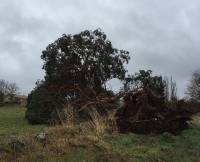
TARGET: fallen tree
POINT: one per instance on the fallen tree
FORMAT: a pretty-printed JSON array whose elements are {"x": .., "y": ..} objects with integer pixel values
[{"x": 144, "y": 112}]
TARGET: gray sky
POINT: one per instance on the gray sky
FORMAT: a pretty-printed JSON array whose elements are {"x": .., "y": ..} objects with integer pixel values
[{"x": 162, "y": 35}]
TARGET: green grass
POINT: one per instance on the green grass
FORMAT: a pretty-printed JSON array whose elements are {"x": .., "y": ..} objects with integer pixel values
[
  {"x": 140, "y": 148},
  {"x": 143, "y": 148},
  {"x": 165, "y": 147},
  {"x": 113, "y": 147},
  {"x": 13, "y": 122}
]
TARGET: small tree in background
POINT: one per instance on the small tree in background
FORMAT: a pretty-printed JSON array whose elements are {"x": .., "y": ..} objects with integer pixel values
[
  {"x": 173, "y": 91},
  {"x": 8, "y": 90},
  {"x": 167, "y": 89},
  {"x": 193, "y": 89},
  {"x": 170, "y": 90}
]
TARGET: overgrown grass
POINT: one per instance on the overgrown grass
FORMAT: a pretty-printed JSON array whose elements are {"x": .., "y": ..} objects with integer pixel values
[
  {"x": 13, "y": 122},
  {"x": 93, "y": 142}
]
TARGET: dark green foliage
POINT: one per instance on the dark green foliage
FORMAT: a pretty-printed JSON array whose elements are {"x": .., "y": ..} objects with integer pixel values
[
  {"x": 144, "y": 79},
  {"x": 44, "y": 105},
  {"x": 77, "y": 68},
  {"x": 84, "y": 59},
  {"x": 155, "y": 83}
]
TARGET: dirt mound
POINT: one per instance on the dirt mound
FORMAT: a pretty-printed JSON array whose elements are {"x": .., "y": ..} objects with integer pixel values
[{"x": 143, "y": 112}]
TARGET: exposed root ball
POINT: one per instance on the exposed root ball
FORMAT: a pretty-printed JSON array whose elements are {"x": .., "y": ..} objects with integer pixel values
[{"x": 144, "y": 112}]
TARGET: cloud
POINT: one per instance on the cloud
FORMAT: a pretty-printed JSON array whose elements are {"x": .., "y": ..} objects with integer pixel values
[{"x": 160, "y": 35}]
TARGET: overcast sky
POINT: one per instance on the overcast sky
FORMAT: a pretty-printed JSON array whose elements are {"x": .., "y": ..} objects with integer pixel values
[{"x": 162, "y": 35}]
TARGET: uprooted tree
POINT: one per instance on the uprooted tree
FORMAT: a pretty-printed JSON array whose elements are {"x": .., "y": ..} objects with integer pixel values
[
  {"x": 145, "y": 109},
  {"x": 77, "y": 68}
]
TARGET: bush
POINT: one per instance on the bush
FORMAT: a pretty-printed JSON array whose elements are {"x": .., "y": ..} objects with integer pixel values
[{"x": 44, "y": 106}]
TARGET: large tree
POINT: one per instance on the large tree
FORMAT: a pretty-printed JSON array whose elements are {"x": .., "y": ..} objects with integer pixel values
[
  {"x": 78, "y": 66},
  {"x": 84, "y": 59},
  {"x": 193, "y": 89}
]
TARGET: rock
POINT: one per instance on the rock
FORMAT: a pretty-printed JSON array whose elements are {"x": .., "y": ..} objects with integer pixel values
[{"x": 42, "y": 138}]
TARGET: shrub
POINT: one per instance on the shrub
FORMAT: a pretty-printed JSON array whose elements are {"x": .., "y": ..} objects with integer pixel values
[{"x": 43, "y": 106}]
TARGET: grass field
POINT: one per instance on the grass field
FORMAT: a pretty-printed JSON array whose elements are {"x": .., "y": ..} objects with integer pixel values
[
  {"x": 72, "y": 144},
  {"x": 13, "y": 122}
]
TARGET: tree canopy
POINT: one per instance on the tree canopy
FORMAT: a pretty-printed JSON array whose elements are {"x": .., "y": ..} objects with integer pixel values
[
  {"x": 84, "y": 59},
  {"x": 77, "y": 67},
  {"x": 144, "y": 79}
]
